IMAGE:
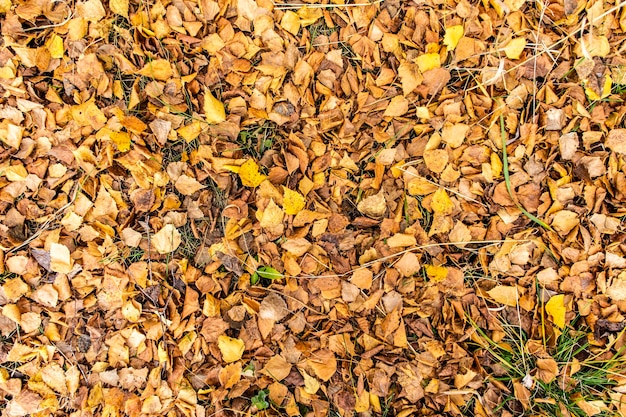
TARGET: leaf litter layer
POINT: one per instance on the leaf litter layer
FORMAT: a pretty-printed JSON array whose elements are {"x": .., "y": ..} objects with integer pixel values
[{"x": 255, "y": 208}]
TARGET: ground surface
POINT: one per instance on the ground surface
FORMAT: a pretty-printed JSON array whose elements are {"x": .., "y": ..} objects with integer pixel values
[{"x": 247, "y": 208}]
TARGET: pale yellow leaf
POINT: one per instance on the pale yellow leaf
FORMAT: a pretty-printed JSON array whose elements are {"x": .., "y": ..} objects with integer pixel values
[
  {"x": 88, "y": 114},
  {"x": 271, "y": 216},
  {"x": 5, "y": 5},
  {"x": 591, "y": 46},
  {"x": 308, "y": 16},
  {"x": 14, "y": 288},
  {"x": 187, "y": 185},
  {"x": 30, "y": 322},
  {"x": 60, "y": 260},
  {"x": 514, "y": 49},
  {"x": 373, "y": 206},
  {"x": 54, "y": 376},
  {"x": 191, "y": 131},
  {"x": 231, "y": 349},
  {"x": 311, "y": 385},
  {"x": 167, "y": 240},
  {"x": 119, "y": 7},
  {"x": 131, "y": 310},
  {"x": 504, "y": 294},
  {"x": 397, "y": 107},
  {"x": 410, "y": 77},
  {"x": 564, "y": 221},
  {"x": 214, "y": 111}
]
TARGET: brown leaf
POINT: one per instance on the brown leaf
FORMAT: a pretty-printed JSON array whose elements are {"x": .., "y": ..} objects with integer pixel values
[{"x": 323, "y": 363}]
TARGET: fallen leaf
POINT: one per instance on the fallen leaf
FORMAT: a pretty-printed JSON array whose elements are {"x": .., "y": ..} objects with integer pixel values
[
  {"x": 231, "y": 349},
  {"x": 119, "y": 7},
  {"x": 374, "y": 206},
  {"x": 323, "y": 363},
  {"x": 271, "y": 216},
  {"x": 277, "y": 368},
  {"x": 159, "y": 69},
  {"x": 452, "y": 36},
  {"x": 214, "y": 111},
  {"x": 441, "y": 203},
  {"x": 397, "y": 107},
  {"x": 514, "y": 48},
  {"x": 436, "y": 273},
  {"x": 273, "y": 307},
  {"x": 60, "y": 260},
  {"x": 166, "y": 240},
  {"x": 311, "y": 385},
  {"x": 293, "y": 201},
  {"x": 505, "y": 294},
  {"x": 564, "y": 221},
  {"x": 429, "y": 61},
  {"x": 249, "y": 174},
  {"x": 187, "y": 185},
  {"x": 556, "y": 308}
]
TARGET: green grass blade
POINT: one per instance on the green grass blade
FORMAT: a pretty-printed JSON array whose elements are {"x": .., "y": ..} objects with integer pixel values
[{"x": 507, "y": 181}]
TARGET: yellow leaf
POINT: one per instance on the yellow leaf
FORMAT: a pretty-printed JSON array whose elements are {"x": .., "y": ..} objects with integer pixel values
[
  {"x": 591, "y": 45},
  {"x": 54, "y": 376},
  {"x": 606, "y": 89},
  {"x": 556, "y": 308},
  {"x": 420, "y": 186},
  {"x": 422, "y": 112},
  {"x": 159, "y": 69},
  {"x": 88, "y": 114},
  {"x": 5, "y": 5},
  {"x": 428, "y": 61},
  {"x": 291, "y": 22},
  {"x": 504, "y": 294},
  {"x": 293, "y": 201},
  {"x": 214, "y": 111},
  {"x": 311, "y": 385},
  {"x": 441, "y": 203},
  {"x": 514, "y": 49},
  {"x": 119, "y": 7},
  {"x": 60, "y": 260},
  {"x": 232, "y": 349},
  {"x": 453, "y": 36},
  {"x": 167, "y": 240},
  {"x": 308, "y": 16},
  {"x": 131, "y": 310},
  {"x": 55, "y": 46},
  {"x": 436, "y": 273},
  {"x": 190, "y": 131},
  {"x": 121, "y": 139},
  {"x": 375, "y": 403},
  {"x": 272, "y": 216},
  {"x": 249, "y": 174}
]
